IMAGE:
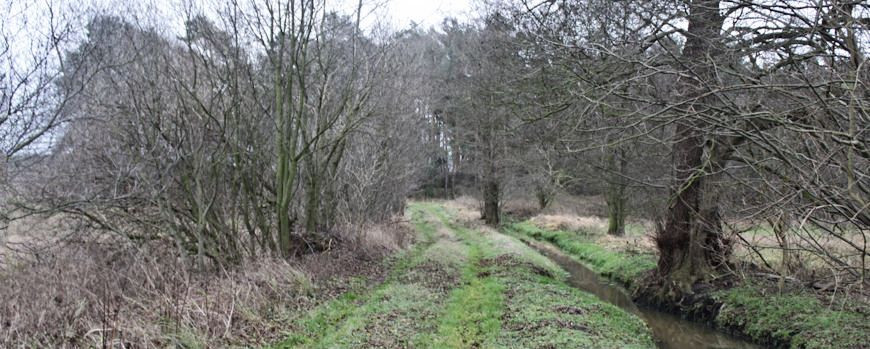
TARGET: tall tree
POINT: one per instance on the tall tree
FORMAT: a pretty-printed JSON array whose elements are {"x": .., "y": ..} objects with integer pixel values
[{"x": 691, "y": 243}]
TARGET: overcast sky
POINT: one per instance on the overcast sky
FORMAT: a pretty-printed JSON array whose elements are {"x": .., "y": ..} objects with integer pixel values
[
  {"x": 426, "y": 12},
  {"x": 24, "y": 23},
  {"x": 398, "y": 13}
]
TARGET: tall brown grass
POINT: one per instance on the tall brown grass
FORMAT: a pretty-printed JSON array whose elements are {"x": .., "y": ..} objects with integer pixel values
[
  {"x": 105, "y": 295},
  {"x": 109, "y": 294}
]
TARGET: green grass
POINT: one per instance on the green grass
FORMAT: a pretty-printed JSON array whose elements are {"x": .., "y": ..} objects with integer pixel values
[
  {"x": 392, "y": 311},
  {"x": 472, "y": 317},
  {"x": 464, "y": 288},
  {"x": 324, "y": 326},
  {"x": 798, "y": 319},
  {"x": 320, "y": 321},
  {"x": 540, "y": 310},
  {"x": 622, "y": 267},
  {"x": 546, "y": 313}
]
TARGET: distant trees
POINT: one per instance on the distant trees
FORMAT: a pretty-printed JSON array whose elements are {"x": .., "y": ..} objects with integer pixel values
[
  {"x": 28, "y": 79},
  {"x": 473, "y": 110}
]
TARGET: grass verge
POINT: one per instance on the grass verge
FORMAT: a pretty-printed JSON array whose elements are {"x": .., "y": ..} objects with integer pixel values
[
  {"x": 623, "y": 267},
  {"x": 537, "y": 310},
  {"x": 795, "y": 319},
  {"x": 368, "y": 317}
]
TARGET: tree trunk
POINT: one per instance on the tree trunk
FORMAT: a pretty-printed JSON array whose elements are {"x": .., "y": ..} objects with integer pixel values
[
  {"x": 615, "y": 196},
  {"x": 491, "y": 210},
  {"x": 691, "y": 245},
  {"x": 312, "y": 202},
  {"x": 284, "y": 178},
  {"x": 490, "y": 202},
  {"x": 682, "y": 219},
  {"x": 543, "y": 195},
  {"x": 616, "y": 217}
]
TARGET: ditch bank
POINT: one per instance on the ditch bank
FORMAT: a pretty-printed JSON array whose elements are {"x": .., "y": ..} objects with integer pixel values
[{"x": 747, "y": 309}]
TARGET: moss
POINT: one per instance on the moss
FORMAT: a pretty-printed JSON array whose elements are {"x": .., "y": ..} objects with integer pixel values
[{"x": 798, "y": 320}]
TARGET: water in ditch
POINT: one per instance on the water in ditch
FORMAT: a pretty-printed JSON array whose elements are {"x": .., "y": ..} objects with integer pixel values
[{"x": 669, "y": 331}]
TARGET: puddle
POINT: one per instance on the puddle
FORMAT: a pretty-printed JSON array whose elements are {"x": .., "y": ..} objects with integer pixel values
[{"x": 669, "y": 331}]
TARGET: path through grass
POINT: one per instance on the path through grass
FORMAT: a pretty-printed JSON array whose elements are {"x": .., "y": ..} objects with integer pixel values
[{"x": 461, "y": 287}]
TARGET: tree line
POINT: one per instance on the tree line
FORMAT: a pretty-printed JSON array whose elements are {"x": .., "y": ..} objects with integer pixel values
[
  {"x": 262, "y": 127},
  {"x": 256, "y": 131},
  {"x": 707, "y": 117}
]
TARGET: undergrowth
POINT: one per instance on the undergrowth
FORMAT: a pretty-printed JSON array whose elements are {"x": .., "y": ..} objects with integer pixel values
[{"x": 109, "y": 293}]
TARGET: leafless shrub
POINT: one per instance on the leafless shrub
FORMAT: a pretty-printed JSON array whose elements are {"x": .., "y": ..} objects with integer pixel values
[
  {"x": 378, "y": 239},
  {"x": 99, "y": 294}
]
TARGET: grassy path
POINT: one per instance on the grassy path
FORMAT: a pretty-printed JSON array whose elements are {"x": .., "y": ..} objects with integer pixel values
[{"x": 467, "y": 288}]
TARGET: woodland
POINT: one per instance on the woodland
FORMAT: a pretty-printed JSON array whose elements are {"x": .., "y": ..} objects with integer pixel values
[{"x": 286, "y": 173}]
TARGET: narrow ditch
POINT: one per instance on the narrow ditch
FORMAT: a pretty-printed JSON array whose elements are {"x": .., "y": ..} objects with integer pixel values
[{"x": 669, "y": 331}]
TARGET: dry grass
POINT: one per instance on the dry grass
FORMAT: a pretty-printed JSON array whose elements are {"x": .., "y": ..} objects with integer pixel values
[
  {"x": 94, "y": 294},
  {"x": 379, "y": 239},
  {"x": 565, "y": 203},
  {"x": 464, "y": 209},
  {"x": 564, "y": 221},
  {"x": 521, "y": 208},
  {"x": 630, "y": 243},
  {"x": 809, "y": 252},
  {"x": 89, "y": 295},
  {"x": 565, "y": 212},
  {"x": 27, "y": 233}
]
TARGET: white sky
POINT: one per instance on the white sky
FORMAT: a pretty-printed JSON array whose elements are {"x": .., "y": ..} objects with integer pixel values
[
  {"x": 24, "y": 23},
  {"x": 426, "y": 12},
  {"x": 398, "y": 13}
]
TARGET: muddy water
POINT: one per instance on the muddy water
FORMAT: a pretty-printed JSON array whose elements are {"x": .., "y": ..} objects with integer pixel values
[{"x": 669, "y": 331}]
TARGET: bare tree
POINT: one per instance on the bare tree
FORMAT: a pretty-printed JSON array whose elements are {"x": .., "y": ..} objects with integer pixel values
[
  {"x": 764, "y": 98},
  {"x": 33, "y": 98}
]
